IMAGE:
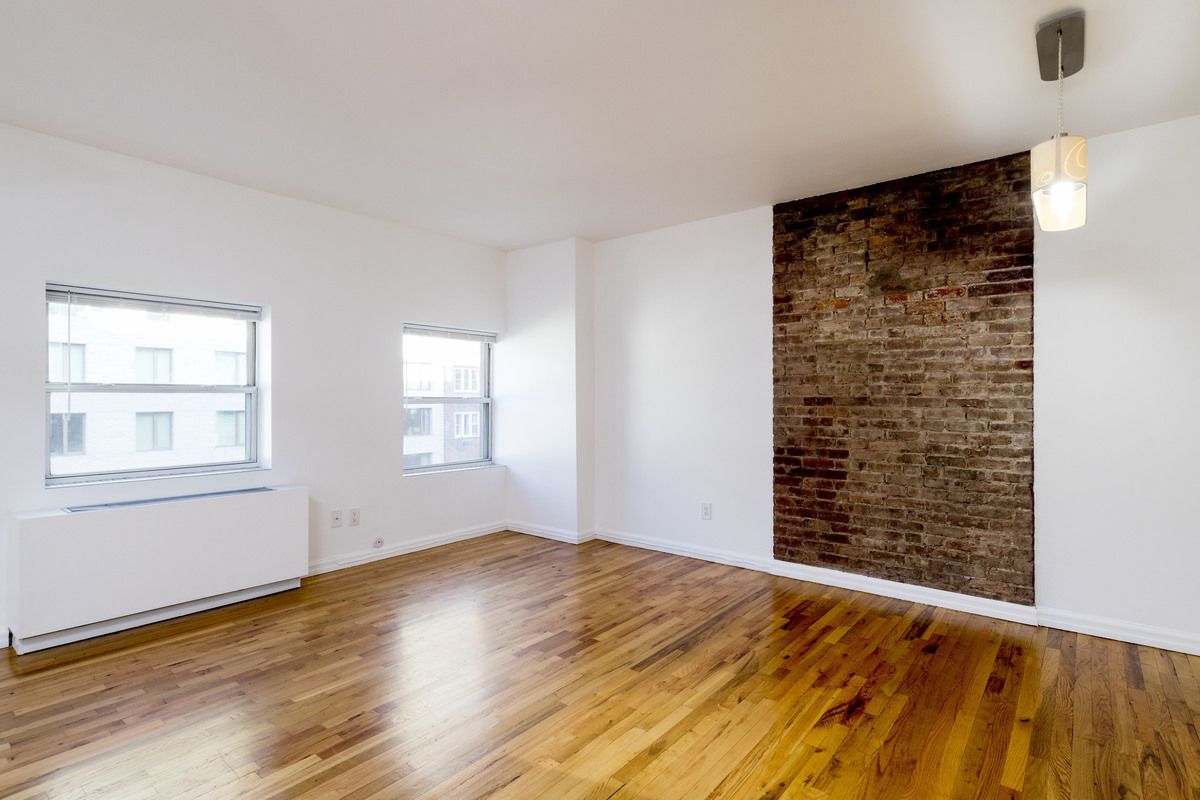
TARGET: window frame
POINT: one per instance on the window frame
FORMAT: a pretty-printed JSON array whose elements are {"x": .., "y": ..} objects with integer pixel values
[
  {"x": 57, "y": 293},
  {"x": 484, "y": 397}
]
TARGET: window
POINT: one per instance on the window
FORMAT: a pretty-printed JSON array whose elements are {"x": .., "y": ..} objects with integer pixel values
[
  {"x": 67, "y": 434},
  {"x": 418, "y": 378},
  {"x": 159, "y": 372},
  {"x": 448, "y": 404},
  {"x": 64, "y": 357},
  {"x": 155, "y": 430},
  {"x": 230, "y": 368},
  {"x": 466, "y": 379},
  {"x": 231, "y": 428},
  {"x": 466, "y": 424},
  {"x": 418, "y": 421},
  {"x": 154, "y": 364},
  {"x": 418, "y": 459}
]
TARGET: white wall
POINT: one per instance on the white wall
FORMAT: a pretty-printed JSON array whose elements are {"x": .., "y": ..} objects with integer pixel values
[
  {"x": 683, "y": 384},
  {"x": 1117, "y": 389},
  {"x": 536, "y": 388},
  {"x": 544, "y": 390},
  {"x": 338, "y": 286},
  {"x": 585, "y": 384}
]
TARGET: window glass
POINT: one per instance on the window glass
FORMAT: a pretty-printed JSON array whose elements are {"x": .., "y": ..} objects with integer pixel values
[
  {"x": 67, "y": 434},
  {"x": 154, "y": 430},
  {"x": 154, "y": 364},
  {"x": 62, "y": 355},
  {"x": 156, "y": 386},
  {"x": 418, "y": 421},
  {"x": 447, "y": 380},
  {"x": 231, "y": 428}
]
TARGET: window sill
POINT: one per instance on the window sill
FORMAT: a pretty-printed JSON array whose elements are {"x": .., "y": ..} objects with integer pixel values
[
  {"x": 67, "y": 483},
  {"x": 409, "y": 473}
]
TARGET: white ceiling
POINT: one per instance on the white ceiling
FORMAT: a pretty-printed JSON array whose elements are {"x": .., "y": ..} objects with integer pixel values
[{"x": 512, "y": 122}]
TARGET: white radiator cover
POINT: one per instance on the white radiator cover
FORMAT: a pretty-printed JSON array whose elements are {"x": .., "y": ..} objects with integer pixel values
[{"x": 72, "y": 575}]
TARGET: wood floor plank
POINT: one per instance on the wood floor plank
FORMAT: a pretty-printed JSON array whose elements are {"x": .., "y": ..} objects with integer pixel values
[{"x": 514, "y": 667}]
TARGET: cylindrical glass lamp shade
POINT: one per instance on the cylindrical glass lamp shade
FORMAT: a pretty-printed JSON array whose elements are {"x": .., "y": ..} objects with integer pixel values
[{"x": 1059, "y": 180}]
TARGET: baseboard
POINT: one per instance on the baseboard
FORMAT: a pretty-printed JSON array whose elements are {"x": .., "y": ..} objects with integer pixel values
[
  {"x": 1108, "y": 628},
  {"x": 830, "y": 577},
  {"x": 557, "y": 534},
  {"x": 955, "y": 601},
  {"x": 727, "y": 557},
  {"x": 413, "y": 545},
  {"x": 30, "y": 644}
]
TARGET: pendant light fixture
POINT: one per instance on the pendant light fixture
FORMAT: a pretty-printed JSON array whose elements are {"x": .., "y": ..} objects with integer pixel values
[{"x": 1059, "y": 166}]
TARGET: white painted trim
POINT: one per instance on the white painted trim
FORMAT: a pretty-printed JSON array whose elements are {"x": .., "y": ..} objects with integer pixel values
[
  {"x": 831, "y": 577},
  {"x": 727, "y": 557},
  {"x": 1122, "y": 631},
  {"x": 955, "y": 601},
  {"x": 557, "y": 534},
  {"x": 425, "y": 543},
  {"x": 31, "y": 644}
]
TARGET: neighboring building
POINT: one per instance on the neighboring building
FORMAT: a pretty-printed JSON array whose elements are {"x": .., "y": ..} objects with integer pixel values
[{"x": 93, "y": 432}]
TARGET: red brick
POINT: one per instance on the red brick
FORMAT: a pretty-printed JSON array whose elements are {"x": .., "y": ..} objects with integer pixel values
[{"x": 903, "y": 424}]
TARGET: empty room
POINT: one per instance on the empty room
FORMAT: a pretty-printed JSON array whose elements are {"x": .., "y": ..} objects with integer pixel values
[{"x": 659, "y": 400}]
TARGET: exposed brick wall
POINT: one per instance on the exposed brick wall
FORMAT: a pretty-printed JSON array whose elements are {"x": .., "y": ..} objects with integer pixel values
[{"x": 903, "y": 341}]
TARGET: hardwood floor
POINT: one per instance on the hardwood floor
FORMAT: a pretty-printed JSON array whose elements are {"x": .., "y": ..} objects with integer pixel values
[{"x": 514, "y": 667}]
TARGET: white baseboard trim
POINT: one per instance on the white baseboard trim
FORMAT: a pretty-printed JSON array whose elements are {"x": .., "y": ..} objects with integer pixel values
[
  {"x": 1108, "y": 628},
  {"x": 727, "y": 557},
  {"x": 955, "y": 601},
  {"x": 334, "y": 563},
  {"x": 557, "y": 534}
]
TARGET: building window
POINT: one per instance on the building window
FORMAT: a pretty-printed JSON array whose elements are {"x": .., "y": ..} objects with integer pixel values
[
  {"x": 418, "y": 421},
  {"x": 231, "y": 429},
  {"x": 154, "y": 364},
  {"x": 466, "y": 424},
  {"x": 230, "y": 368},
  {"x": 155, "y": 430},
  {"x": 466, "y": 379},
  {"x": 447, "y": 380},
  {"x": 418, "y": 378},
  {"x": 417, "y": 459},
  {"x": 67, "y": 433},
  {"x": 64, "y": 359},
  {"x": 169, "y": 366}
]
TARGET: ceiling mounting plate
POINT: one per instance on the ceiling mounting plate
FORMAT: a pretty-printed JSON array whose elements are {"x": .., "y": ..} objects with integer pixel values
[{"x": 1071, "y": 26}]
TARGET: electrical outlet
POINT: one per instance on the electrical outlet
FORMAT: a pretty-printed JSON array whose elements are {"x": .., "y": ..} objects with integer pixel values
[
  {"x": 355, "y": 516},
  {"x": 335, "y": 518},
  {"x": 378, "y": 543},
  {"x": 706, "y": 511}
]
